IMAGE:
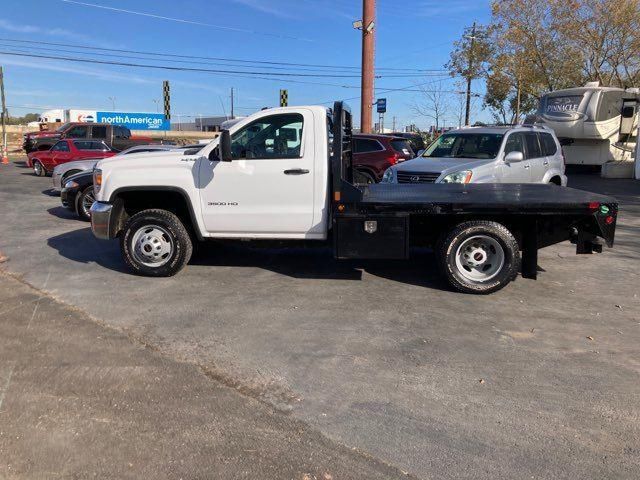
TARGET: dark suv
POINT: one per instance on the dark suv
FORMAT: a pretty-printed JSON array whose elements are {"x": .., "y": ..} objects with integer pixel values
[
  {"x": 373, "y": 154},
  {"x": 415, "y": 140}
]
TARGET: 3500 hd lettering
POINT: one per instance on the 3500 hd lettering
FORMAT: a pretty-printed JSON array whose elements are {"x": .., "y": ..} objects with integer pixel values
[{"x": 285, "y": 174}]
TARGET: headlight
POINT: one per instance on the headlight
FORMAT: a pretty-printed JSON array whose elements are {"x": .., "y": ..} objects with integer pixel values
[
  {"x": 97, "y": 180},
  {"x": 71, "y": 184},
  {"x": 388, "y": 176},
  {"x": 458, "y": 177}
]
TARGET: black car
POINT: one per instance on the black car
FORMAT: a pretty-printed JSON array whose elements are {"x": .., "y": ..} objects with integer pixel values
[
  {"x": 77, "y": 194},
  {"x": 415, "y": 140}
]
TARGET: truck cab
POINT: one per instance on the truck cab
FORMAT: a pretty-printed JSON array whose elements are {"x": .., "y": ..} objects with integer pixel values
[{"x": 286, "y": 174}]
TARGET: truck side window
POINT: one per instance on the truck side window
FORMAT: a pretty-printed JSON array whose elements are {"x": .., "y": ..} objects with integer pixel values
[
  {"x": 514, "y": 144},
  {"x": 275, "y": 136},
  {"x": 60, "y": 147},
  {"x": 120, "y": 132},
  {"x": 99, "y": 132},
  {"x": 79, "y": 131},
  {"x": 533, "y": 146}
]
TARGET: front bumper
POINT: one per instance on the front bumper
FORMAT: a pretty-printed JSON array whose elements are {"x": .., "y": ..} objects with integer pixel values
[
  {"x": 56, "y": 179},
  {"x": 68, "y": 198},
  {"x": 101, "y": 220}
]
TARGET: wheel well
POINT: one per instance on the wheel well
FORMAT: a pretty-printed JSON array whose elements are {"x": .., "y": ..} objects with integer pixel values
[
  {"x": 556, "y": 180},
  {"x": 134, "y": 201},
  {"x": 70, "y": 172},
  {"x": 367, "y": 170}
]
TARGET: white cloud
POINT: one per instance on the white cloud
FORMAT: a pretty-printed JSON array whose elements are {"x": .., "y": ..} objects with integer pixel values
[{"x": 57, "y": 32}]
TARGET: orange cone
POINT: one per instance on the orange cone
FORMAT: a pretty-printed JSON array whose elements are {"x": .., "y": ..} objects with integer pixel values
[{"x": 5, "y": 157}]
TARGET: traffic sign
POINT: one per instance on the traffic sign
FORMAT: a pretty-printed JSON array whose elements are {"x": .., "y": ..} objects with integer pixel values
[{"x": 381, "y": 105}]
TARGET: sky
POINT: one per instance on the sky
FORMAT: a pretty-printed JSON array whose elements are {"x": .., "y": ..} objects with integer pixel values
[{"x": 411, "y": 35}]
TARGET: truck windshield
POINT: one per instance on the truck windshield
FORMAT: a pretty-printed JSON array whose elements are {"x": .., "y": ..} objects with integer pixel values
[
  {"x": 62, "y": 127},
  {"x": 466, "y": 145}
]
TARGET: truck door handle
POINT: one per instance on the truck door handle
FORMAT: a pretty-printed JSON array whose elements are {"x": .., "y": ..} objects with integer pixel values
[
  {"x": 296, "y": 171},
  {"x": 527, "y": 166}
]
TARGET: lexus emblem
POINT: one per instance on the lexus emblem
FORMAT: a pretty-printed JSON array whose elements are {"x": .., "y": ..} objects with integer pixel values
[{"x": 415, "y": 178}]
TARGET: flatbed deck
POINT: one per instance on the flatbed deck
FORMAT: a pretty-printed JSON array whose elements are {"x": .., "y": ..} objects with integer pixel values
[{"x": 483, "y": 197}]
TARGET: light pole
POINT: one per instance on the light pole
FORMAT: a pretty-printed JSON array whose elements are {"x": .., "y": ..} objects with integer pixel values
[
  {"x": 113, "y": 103},
  {"x": 157, "y": 102}
]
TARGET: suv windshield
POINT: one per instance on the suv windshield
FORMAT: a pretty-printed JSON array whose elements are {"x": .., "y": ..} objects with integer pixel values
[{"x": 466, "y": 145}]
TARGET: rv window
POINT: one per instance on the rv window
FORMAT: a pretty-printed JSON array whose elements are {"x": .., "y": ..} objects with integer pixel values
[
  {"x": 533, "y": 146},
  {"x": 610, "y": 106},
  {"x": 564, "y": 104},
  {"x": 548, "y": 145}
]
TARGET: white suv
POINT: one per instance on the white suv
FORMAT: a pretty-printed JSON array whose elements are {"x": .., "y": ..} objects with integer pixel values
[{"x": 513, "y": 154}]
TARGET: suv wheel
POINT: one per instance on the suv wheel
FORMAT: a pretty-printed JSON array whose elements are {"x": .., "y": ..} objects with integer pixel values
[
  {"x": 38, "y": 169},
  {"x": 479, "y": 257},
  {"x": 84, "y": 200},
  {"x": 155, "y": 243}
]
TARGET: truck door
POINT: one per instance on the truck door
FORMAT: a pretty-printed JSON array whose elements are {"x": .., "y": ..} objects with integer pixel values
[
  {"x": 535, "y": 157},
  {"x": 268, "y": 188},
  {"x": 519, "y": 172}
]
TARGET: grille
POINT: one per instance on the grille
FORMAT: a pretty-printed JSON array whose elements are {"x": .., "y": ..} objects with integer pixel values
[{"x": 417, "y": 177}]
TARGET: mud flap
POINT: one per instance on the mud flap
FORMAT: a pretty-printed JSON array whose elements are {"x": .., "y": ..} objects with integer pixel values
[{"x": 530, "y": 251}]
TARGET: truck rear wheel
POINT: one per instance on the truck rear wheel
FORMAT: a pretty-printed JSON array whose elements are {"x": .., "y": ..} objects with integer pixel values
[
  {"x": 155, "y": 243},
  {"x": 479, "y": 257}
]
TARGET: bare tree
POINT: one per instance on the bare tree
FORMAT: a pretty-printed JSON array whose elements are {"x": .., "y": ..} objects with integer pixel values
[{"x": 433, "y": 103}]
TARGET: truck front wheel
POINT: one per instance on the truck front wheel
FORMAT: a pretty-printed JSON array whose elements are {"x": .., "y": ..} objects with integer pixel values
[
  {"x": 155, "y": 243},
  {"x": 479, "y": 257}
]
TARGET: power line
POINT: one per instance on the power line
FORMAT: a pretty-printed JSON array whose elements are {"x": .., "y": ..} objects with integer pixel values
[
  {"x": 246, "y": 73},
  {"x": 222, "y": 59}
]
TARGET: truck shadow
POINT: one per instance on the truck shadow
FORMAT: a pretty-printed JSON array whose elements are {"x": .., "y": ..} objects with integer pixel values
[
  {"x": 82, "y": 247},
  {"x": 302, "y": 263},
  {"x": 318, "y": 263}
]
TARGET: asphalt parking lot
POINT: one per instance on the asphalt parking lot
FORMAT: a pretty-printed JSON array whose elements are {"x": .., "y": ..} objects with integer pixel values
[{"x": 539, "y": 380}]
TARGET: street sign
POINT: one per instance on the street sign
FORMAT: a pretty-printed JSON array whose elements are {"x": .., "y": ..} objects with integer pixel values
[
  {"x": 284, "y": 98},
  {"x": 381, "y": 105},
  {"x": 167, "y": 99}
]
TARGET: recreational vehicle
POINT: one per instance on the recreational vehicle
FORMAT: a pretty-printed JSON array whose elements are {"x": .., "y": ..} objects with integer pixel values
[{"x": 595, "y": 124}]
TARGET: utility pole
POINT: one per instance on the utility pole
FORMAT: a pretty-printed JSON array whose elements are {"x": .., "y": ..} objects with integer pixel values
[
  {"x": 394, "y": 123},
  {"x": 232, "y": 117},
  {"x": 368, "y": 54},
  {"x": 113, "y": 103},
  {"x": 467, "y": 113},
  {"x": 3, "y": 113}
]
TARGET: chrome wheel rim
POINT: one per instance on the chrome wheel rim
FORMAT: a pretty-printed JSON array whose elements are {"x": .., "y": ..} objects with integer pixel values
[
  {"x": 37, "y": 168},
  {"x": 87, "y": 202},
  {"x": 152, "y": 245},
  {"x": 480, "y": 258}
]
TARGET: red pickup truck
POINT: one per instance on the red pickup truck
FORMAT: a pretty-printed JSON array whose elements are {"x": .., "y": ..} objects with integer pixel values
[{"x": 44, "y": 161}]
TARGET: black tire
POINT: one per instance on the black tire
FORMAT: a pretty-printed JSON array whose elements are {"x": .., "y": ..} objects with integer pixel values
[
  {"x": 38, "y": 169},
  {"x": 447, "y": 251},
  {"x": 361, "y": 177},
  {"x": 176, "y": 234},
  {"x": 82, "y": 200}
]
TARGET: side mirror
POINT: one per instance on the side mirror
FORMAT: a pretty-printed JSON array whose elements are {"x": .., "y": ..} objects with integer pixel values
[
  {"x": 222, "y": 152},
  {"x": 513, "y": 157}
]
